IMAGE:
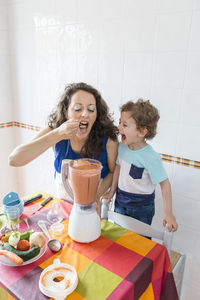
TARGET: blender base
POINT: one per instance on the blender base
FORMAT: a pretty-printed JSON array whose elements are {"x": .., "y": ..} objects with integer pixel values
[{"x": 84, "y": 227}]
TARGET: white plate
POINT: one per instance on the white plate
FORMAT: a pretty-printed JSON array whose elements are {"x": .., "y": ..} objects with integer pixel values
[
  {"x": 54, "y": 289},
  {"x": 5, "y": 261}
]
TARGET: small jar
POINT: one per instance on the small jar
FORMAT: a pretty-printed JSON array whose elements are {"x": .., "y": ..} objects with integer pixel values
[{"x": 57, "y": 228}]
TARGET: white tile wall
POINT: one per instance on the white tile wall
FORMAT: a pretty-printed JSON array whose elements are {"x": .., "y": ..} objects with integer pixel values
[
  {"x": 144, "y": 35},
  {"x": 197, "y": 4},
  {"x": 186, "y": 182},
  {"x": 194, "y": 44},
  {"x": 193, "y": 71},
  {"x": 139, "y": 7},
  {"x": 188, "y": 142},
  {"x": 8, "y": 175},
  {"x": 166, "y": 140},
  {"x": 189, "y": 115},
  {"x": 169, "y": 70},
  {"x": 173, "y": 31},
  {"x": 175, "y": 6},
  {"x": 168, "y": 102},
  {"x": 127, "y": 49},
  {"x": 3, "y": 16}
]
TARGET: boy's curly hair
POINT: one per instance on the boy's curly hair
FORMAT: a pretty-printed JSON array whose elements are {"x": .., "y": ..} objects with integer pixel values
[
  {"x": 145, "y": 115},
  {"x": 102, "y": 127}
]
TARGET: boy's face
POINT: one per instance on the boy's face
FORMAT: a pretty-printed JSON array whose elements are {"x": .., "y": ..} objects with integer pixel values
[{"x": 130, "y": 135}]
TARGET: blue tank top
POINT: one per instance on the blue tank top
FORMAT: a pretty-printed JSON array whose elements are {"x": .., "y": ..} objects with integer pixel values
[{"x": 63, "y": 150}]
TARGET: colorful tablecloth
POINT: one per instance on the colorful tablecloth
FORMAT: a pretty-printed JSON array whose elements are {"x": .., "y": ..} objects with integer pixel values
[{"x": 120, "y": 265}]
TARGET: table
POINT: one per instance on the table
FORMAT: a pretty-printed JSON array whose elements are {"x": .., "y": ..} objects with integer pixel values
[{"x": 120, "y": 265}]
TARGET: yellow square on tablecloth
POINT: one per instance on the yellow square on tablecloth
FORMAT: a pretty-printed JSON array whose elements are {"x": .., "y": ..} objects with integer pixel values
[
  {"x": 69, "y": 256},
  {"x": 136, "y": 243}
]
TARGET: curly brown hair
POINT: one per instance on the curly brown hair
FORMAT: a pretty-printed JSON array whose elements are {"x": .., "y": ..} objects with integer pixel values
[
  {"x": 102, "y": 127},
  {"x": 145, "y": 115}
]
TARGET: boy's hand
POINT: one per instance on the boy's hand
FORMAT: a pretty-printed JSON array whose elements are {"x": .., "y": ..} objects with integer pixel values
[{"x": 170, "y": 220}]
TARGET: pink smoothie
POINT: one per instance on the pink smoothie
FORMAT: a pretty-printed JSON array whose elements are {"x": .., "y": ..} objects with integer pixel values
[{"x": 84, "y": 178}]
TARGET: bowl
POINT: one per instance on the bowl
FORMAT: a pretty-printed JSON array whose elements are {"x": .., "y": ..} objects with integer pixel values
[{"x": 12, "y": 200}]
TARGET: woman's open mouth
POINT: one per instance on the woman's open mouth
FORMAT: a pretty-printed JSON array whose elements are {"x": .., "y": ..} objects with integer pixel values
[{"x": 83, "y": 125}]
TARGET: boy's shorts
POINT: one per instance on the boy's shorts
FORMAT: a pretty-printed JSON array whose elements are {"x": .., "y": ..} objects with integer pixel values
[{"x": 143, "y": 213}]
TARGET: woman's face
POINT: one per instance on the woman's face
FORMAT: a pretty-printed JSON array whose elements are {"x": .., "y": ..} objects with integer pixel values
[{"x": 83, "y": 108}]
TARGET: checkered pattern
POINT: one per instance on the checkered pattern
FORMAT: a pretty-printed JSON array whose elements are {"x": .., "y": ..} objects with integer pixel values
[
  {"x": 120, "y": 265},
  {"x": 21, "y": 125}
]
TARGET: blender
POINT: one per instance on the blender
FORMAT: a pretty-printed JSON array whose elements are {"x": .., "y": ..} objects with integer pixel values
[{"x": 82, "y": 176}]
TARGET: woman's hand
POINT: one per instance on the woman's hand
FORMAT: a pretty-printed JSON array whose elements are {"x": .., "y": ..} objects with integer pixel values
[{"x": 68, "y": 129}]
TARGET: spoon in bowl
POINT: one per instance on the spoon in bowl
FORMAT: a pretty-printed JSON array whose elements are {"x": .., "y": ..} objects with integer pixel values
[{"x": 53, "y": 244}]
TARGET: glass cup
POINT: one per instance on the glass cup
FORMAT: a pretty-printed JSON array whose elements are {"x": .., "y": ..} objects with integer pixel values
[
  {"x": 54, "y": 214},
  {"x": 13, "y": 217}
]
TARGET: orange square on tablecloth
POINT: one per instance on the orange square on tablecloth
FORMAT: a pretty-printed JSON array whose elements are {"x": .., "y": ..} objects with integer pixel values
[
  {"x": 75, "y": 296},
  {"x": 136, "y": 243},
  {"x": 68, "y": 256}
]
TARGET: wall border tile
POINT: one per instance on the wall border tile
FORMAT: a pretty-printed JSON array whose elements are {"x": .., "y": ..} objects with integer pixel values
[{"x": 165, "y": 157}]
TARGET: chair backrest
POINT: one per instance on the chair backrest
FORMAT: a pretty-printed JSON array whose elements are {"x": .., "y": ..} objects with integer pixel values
[{"x": 141, "y": 228}]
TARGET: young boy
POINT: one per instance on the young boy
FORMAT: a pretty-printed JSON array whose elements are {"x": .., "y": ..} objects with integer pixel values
[{"x": 139, "y": 168}]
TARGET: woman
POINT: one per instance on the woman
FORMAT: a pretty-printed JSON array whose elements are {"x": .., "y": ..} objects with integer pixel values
[{"x": 80, "y": 126}]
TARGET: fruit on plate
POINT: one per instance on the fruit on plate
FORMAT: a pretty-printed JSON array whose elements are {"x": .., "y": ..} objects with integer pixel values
[
  {"x": 20, "y": 244},
  {"x": 37, "y": 239},
  {"x": 23, "y": 245},
  {"x": 14, "y": 238}
]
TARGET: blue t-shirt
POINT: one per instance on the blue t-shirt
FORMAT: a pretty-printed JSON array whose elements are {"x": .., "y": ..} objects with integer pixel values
[{"x": 63, "y": 150}]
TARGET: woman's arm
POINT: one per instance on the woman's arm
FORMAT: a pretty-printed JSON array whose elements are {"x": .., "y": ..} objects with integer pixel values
[
  {"x": 112, "y": 147},
  {"x": 46, "y": 138},
  {"x": 25, "y": 153}
]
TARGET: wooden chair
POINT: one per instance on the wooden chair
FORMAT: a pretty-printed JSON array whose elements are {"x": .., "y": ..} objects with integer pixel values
[{"x": 162, "y": 236}]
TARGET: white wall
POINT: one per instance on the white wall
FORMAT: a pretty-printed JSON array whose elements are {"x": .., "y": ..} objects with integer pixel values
[
  {"x": 127, "y": 49},
  {"x": 7, "y": 137}
]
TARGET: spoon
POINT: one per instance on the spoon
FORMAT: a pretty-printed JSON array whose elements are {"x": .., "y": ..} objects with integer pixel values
[
  {"x": 26, "y": 221},
  {"x": 53, "y": 244}
]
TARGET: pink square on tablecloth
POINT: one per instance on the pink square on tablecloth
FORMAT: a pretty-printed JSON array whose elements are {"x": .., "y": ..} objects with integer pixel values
[
  {"x": 157, "y": 286},
  {"x": 9, "y": 275},
  {"x": 161, "y": 262},
  {"x": 111, "y": 259}
]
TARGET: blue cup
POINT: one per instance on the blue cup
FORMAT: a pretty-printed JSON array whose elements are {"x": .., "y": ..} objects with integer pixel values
[{"x": 11, "y": 201}]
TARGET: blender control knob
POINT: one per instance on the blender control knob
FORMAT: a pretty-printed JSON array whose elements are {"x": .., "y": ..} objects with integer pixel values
[{"x": 104, "y": 209}]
